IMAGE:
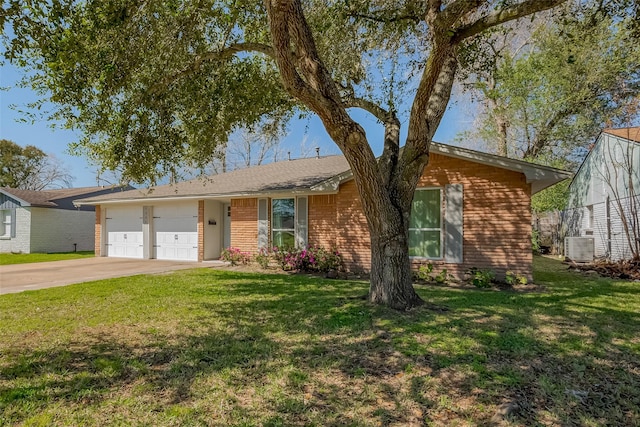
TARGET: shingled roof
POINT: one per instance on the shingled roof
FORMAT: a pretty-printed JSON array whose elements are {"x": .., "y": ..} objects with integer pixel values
[
  {"x": 283, "y": 176},
  {"x": 631, "y": 133},
  {"x": 58, "y": 198}
]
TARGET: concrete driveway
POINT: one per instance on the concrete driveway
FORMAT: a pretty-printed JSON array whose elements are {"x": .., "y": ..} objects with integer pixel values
[{"x": 23, "y": 277}]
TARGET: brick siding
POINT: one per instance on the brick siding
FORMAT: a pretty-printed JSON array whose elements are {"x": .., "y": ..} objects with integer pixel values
[
  {"x": 496, "y": 223},
  {"x": 322, "y": 221},
  {"x": 244, "y": 224},
  {"x": 200, "y": 230},
  {"x": 497, "y": 218},
  {"x": 98, "y": 231}
]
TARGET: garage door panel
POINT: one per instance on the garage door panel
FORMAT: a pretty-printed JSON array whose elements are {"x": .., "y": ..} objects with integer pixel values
[
  {"x": 175, "y": 232},
  {"x": 124, "y": 232}
]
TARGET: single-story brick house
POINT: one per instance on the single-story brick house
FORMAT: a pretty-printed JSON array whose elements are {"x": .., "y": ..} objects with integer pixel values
[
  {"x": 471, "y": 209},
  {"x": 47, "y": 220}
]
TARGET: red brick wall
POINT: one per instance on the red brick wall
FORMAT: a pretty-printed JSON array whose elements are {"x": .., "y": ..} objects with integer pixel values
[
  {"x": 98, "y": 231},
  {"x": 322, "y": 221},
  {"x": 244, "y": 224},
  {"x": 200, "y": 230},
  {"x": 497, "y": 217}
]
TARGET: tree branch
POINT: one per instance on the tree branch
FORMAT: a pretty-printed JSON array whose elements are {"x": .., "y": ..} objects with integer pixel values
[
  {"x": 503, "y": 15},
  {"x": 217, "y": 55},
  {"x": 371, "y": 107},
  {"x": 387, "y": 19}
]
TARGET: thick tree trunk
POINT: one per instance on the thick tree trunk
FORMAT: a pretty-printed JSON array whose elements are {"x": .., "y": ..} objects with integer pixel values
[{"x": 391, "y": 273}]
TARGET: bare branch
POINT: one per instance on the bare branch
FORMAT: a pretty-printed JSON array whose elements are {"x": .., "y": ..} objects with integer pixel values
[{"x": 371, "y": 107}]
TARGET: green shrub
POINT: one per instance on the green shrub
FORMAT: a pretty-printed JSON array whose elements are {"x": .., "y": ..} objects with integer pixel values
[
  {"x": 235, "y": 256},
  {"x": 514, "y": 279},
  {"x": 263, "y": 258},
  {"x": 313, "y": 258},
  {"x": 535, "y": 242},
  {"x": 424, "y": 272},
  {"x": 481, "y": 278}
]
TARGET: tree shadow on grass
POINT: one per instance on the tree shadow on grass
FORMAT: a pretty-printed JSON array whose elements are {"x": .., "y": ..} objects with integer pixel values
[{"x": 288, "y": 350}]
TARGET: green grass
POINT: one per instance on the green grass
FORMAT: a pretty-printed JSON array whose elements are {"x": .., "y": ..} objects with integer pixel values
[
  {"x": 210, "y": 347},
  {"x": 6, "y": 259}
]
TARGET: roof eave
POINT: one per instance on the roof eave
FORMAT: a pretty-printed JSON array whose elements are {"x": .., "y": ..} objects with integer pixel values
[
  {"x": 23, "y": 203},
  {"x": 294, "y": 191}
]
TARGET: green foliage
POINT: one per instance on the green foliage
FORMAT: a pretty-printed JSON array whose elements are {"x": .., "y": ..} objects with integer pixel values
[
  {"x": 30, "y": 168},
  {"x": 263, "y": 258},
  {"x": 235, "y": 256},
  {"x": 535, "y": 241},
  {"x": 512, "y": 278},
  {"x": 425, "y": 272},
  {"x": 552, "y": 95},
  {"x": 481, "y": 278},
  {"x": 552, "y": 198},
  {"x": 135, "y": 81}
]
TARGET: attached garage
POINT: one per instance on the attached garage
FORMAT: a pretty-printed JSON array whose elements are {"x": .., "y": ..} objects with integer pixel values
[
  {"x": 175, "y": 230},
  {"x": 124, "y": 232}
]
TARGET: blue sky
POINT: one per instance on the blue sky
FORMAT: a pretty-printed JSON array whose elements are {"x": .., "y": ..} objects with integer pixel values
[{"x": 55, "y": 141}]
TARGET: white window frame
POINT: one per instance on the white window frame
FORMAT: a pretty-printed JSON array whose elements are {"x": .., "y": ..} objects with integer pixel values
[
  {"x": 590, "y": 217},
  {"x": 294, "y": 230},
  {"x": 441, "y": 229},
  {"x": 6, "y": 213}
]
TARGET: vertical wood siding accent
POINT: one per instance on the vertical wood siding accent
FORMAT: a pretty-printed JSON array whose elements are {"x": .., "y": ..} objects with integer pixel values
[
  {"x": 263, "y": 223},
  {"x": 302, "y": 222}
]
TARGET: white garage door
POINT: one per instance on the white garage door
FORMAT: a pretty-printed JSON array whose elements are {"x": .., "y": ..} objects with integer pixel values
[
  {"x": 124, "y": 232},
  {"x": 176, "y": 232}
]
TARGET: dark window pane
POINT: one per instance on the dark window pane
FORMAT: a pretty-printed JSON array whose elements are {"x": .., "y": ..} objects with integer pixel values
[
  {"x": 425, "y": 210},
  {"x": 283, "y": 214},
  {"x": 283, "y": 239},
  {"x": 424, "y": 243}
]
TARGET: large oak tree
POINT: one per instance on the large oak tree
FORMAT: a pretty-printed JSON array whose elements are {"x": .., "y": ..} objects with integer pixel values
[{"x": 154, "y": 84}]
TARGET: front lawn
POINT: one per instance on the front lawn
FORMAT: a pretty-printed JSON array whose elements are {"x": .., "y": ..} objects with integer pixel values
[
  {"x": 6, "y": 259},
  {"x": 221, "y": 348}
]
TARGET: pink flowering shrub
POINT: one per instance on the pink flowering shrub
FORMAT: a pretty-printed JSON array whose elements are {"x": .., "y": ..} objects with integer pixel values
[
  {"x": 235, "y": 256},
  {"x": 313, "y": 258}
]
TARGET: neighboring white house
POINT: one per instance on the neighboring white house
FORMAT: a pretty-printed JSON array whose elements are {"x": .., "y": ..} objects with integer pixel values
[
  {"x": 604, "y": 196},
  {"x": 47, "y": 221}
]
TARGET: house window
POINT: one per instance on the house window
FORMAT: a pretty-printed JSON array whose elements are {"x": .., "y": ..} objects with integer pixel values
[
  {"x": 590, "y": 216},
  {"x": 425, "y": 224},
  {"x": 283, "y": 222},
  {"x": 5, "y": 226}
]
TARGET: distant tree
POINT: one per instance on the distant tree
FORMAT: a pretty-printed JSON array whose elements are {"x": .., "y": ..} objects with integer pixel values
[
  {"x": 30, "y": 168},
  {"x": 547, "y": 98}
]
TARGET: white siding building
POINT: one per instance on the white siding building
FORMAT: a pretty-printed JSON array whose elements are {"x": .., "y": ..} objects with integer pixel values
[
  {"x": 604, "y": 196},
  {"x": 47, "y": 221}
]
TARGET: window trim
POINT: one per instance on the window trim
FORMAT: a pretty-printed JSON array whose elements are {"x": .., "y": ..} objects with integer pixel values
[
  {"x": 441, "y": 229},
  {"x": 271, "y": 221},
  {"x": 6, "y": 235},
  {"x": 590, "y": 217}
]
